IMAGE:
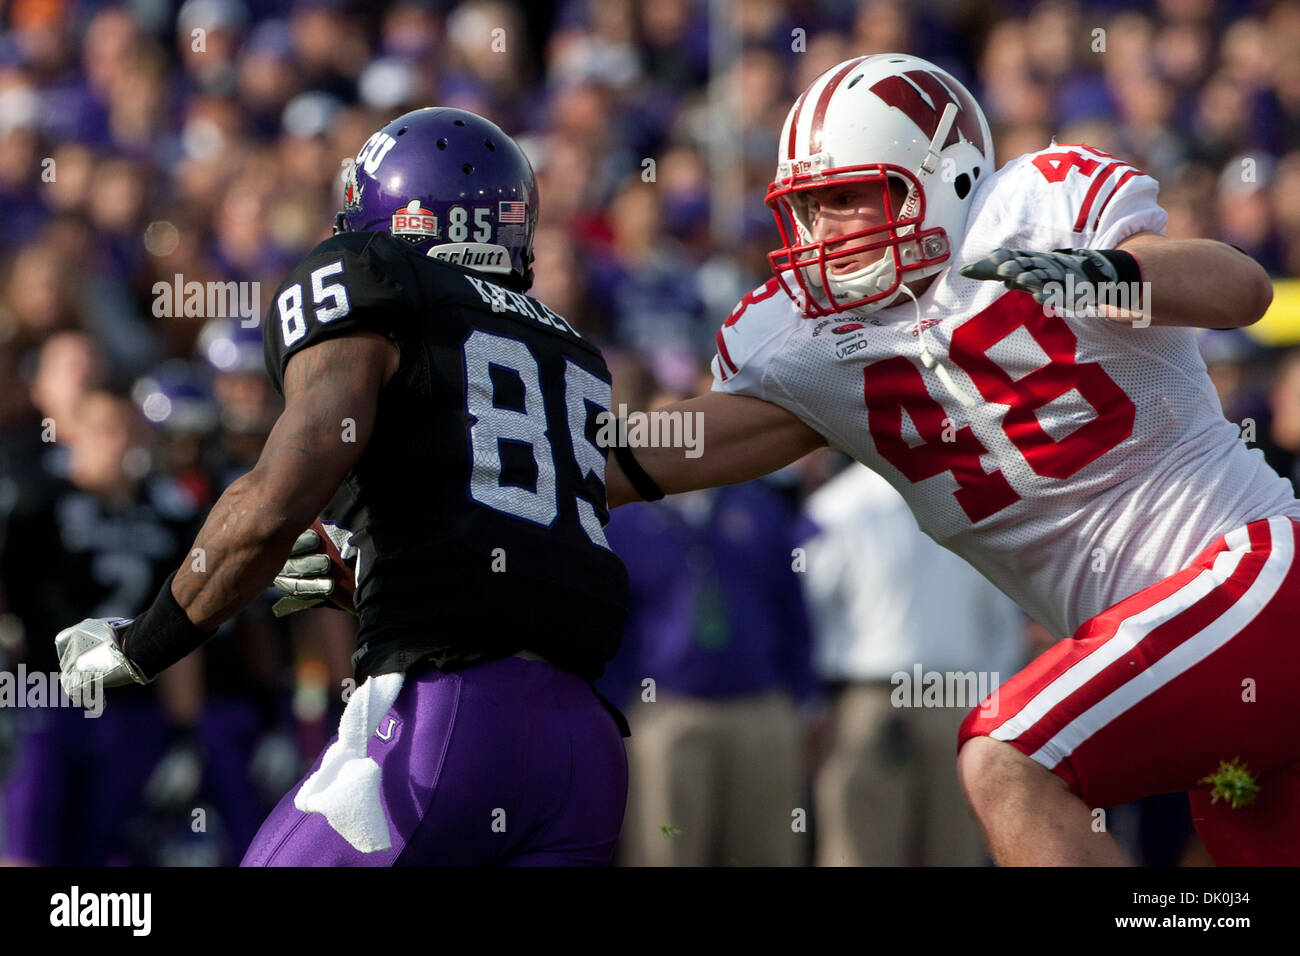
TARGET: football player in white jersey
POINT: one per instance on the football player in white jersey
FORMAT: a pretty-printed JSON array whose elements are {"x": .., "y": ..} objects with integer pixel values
[{"x": 1055, "y": 427}]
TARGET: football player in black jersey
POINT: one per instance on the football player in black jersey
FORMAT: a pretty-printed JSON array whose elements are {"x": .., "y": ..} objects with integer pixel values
[
  {"x": 111, "y": 533},
  {"x": 456, "y": 419}
]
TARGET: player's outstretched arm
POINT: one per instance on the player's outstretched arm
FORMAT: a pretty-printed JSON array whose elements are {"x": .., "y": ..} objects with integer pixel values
[
  {"x": 1200, "y": 282},
  {"x": 741, "y": 438},
  {"x": 254, "y": 524}
]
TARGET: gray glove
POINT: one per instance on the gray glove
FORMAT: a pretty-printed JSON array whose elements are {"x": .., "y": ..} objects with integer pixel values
[
  {"x": 1032, "y": 272},
  {"x": 305, "y": 578}
]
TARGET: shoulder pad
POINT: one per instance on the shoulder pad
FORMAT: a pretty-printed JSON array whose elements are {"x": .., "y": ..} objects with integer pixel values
[
  {"x": 349, "y": 282},
  {"x": 1066, "y": 196},
  {"x": 750, "y": 336}
]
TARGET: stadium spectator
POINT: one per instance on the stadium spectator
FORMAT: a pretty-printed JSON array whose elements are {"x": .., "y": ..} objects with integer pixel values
[
  {"x": 889, "y": 606},
  {"x": 1284, "y": 400},
  {"x": 713, "y": 673},
  {"x": 94, "y": 546}
]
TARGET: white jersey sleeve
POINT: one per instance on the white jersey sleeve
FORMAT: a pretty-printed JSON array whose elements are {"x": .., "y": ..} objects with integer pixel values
[
  {"x": 749, "y": 337},
  {"x": 1071, "y": 197}
]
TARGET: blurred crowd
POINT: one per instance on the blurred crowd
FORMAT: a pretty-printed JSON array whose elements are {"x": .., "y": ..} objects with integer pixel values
[{"x": 149, "y": 140}]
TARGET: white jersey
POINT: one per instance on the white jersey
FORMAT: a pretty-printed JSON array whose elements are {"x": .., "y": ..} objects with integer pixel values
[{"x": 1096, "y": 459}]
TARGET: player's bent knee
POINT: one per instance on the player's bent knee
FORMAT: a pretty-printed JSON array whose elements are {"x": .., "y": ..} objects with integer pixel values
[
  {"x": 986, "y": 768},
  {"x": 979, "y": 765}
]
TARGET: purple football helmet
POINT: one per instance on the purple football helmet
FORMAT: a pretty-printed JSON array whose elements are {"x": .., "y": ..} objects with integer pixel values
[{"x": 450, "y": 183}]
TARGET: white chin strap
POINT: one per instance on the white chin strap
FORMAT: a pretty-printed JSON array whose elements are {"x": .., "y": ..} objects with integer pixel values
[
  {"x": 964, "y": 398},
  {"x": 869, "y": 280},
  {"x": 879, "y": 275}
]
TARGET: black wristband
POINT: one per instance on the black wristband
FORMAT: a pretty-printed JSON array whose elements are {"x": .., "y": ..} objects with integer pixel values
[
  {"x": 645, "y": 485},
  {"x": 162, "y": 635},
  {"x": 1125, "y": 263},
  {"x": 1127, "y": 269}
]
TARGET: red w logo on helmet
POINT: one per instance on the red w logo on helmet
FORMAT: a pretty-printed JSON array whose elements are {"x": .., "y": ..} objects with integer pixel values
[{"x": 924, "y": 100}]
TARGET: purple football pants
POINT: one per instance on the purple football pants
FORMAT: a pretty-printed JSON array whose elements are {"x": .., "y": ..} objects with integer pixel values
[{"x": 511, "y": 762}]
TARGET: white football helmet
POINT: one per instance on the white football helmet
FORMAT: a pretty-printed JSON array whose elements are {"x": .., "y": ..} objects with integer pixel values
[{"x": 882, "y": 119}]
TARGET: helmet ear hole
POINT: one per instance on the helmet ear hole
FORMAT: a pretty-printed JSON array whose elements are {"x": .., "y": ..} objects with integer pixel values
[{"x": 962, "y": 184}]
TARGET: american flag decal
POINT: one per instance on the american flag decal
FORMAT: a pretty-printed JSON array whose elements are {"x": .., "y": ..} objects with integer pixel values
[{"x": 510, "y": 211}]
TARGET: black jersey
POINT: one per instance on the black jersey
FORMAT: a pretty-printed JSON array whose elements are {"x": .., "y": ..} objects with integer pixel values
[{"x": 477, "y": 510}]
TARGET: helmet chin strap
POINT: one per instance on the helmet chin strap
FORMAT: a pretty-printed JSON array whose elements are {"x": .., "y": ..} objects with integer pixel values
[
  {"x": 927, "y": 168},
  {"x": 932, "y": 363},
  {"x": 929, "y": 163}
]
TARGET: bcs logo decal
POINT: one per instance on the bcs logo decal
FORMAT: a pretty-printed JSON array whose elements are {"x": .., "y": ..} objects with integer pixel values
[{"x": 414, "y": 223}]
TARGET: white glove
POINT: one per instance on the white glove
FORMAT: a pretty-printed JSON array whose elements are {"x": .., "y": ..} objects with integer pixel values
[
  {"x": 305, "y": 578},
  {"x": 92, "y": 651}
]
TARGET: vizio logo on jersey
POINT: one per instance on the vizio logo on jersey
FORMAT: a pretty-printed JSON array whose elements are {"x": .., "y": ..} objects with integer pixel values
[
  {"x": 848, "y": 347},
  {"x": 854, "y": 339}
]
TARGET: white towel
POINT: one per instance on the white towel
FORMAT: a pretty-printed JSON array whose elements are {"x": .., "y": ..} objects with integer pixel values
[{"x": 346, "y": 787}]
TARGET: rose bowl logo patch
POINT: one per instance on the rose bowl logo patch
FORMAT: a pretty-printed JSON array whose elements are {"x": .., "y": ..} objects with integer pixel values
[{"x": 414, "y": 223}]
